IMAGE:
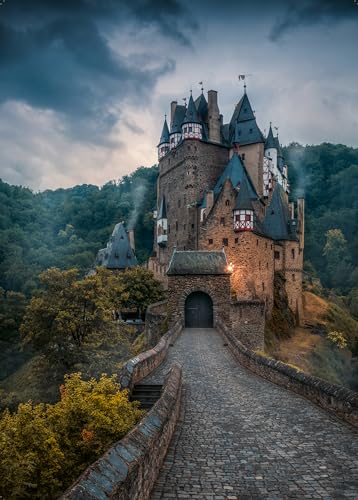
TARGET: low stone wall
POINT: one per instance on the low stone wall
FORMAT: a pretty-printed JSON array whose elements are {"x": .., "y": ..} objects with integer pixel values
[
  {"x": 248, "y": 322},
  {"x": 139, "y": 367},
  {"x": 155, "y": 318},
  {"x": 334, "y": 398},
  {"x": 128, "y": 470}
]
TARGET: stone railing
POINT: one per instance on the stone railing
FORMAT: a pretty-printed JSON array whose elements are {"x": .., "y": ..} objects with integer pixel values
[
  {"x": 139, "y": 367},
  {"x": 128, "y": 470},
  {"x": 334, "y": 398}
]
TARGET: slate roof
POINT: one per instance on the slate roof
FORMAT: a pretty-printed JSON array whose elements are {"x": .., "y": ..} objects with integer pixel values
[
  {"x": 202, "y": 107},
  {"x": 162, "y": 213},
  {"x": 243, "y": 200},
  {"x": 165, "y": 133},
  {"x": 191, "y": 115},
  {"x": 197, "y": 262},
  {"x": 247, "y": 132},
  {"x": 243, "y": 128},
  {"x": 178, "y": 119},
  {"x": 236, "y": 172},
  {"x": 270, "y": 140},
  {"x": 277, "y": 223},
  {"x": 118, "y": 254}
]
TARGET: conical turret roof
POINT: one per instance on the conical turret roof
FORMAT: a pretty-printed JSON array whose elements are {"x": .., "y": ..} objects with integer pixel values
[
  {"x": 178, "y": 119},
  {"x": 164, "y": 138},
  {"x": 191, "y": 115},
  {"x": 277, "y": 220},
  {"x": 118, "y": 254},
  {"x": 243, "y": 128},
  {"x": 270, "y": 140},
  {"x": 202, "y": 107}
]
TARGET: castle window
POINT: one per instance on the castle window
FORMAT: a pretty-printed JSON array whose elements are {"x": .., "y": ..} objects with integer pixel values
[
  {"x": 176, "y": 225},
  {"x": 277, "y": 255},
  {"x": 168, "y": 228},
  {"x": 263, "y": 286},
  {"x": 247, "y": 217},
  {"x": 266, "y": 265},
  {"x": 236, "y": 240},
  {"x": 222, "y": 221},
  {"x": 179, "y": 203},
  {"x": 257, "y": 243},
  {"x": 271, "y": 246},
  {"x": 293, "y": 252},
  {"x": 190, "y": 129},
  {"x": 293, "y": 277},
  {"x": 266, "y": 244},
  {"x": 225, "y": 242},
  {"x": 243, "y": 156},
  {"x": 192, "y": 226},
  {"x": 210, "y": 241},
  {"x": 227, "y": 203}
]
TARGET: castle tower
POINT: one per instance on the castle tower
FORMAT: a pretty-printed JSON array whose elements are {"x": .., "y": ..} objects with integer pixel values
[
  {"x": 164, "y": 142},
  {"x": 243, "y": 212},
  {"x": 192, "y": 127}
]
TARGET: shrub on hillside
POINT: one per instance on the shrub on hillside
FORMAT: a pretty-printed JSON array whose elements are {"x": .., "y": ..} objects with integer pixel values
[{"x": 43, "y": 448}]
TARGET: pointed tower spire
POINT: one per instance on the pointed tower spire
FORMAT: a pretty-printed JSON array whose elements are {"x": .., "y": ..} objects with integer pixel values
[
  {"x": 164, "y": 145},
  {"x": 192, "y": 127},
  {"x": 270, "y": 140}
]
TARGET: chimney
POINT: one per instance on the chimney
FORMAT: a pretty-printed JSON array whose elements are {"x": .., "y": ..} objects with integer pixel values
[
  {"x": 209, "y": 201},
  {"x": 292, "y": 210},
  {"x": 130, "y": 233},
  {"x": 301, "y": 221},
  {"x": 173, "y": 106},
  {"x": 213, "y": 116}
]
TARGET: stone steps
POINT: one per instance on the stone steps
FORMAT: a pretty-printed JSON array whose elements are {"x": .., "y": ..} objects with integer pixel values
[{"x": 146, "y": 394}]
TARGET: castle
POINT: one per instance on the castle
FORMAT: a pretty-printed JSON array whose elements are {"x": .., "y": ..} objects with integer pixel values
[{"x": 222, "y": 193}]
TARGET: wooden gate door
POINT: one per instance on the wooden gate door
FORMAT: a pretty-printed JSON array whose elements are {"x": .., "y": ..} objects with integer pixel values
[{"x": 198, "y": 311}]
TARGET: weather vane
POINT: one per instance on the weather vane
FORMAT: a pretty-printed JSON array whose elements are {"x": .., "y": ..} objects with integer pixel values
[
  {"x": 244, "y": 77},
  {"x": 202, "y": 88},
  {"x": 184, "y": 99}
]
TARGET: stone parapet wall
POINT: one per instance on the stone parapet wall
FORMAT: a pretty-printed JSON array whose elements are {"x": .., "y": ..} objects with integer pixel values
[
  {"x": 129, "y": 469},
  {"x": 248, "y": 323},
  {"x": 336, "y": 399},
  {"x": 155, "y": 320},
  {"x": 140, "y": 366}
]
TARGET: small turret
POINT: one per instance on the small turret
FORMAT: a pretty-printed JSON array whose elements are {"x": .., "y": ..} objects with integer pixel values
[
  {"x": 164, "y": 144},
  {"x": 162, "y": 224},
  {"x": 243, "y": 211},
  {"x": 192, "y": 127},
  {"x": 178, "y": 113}
]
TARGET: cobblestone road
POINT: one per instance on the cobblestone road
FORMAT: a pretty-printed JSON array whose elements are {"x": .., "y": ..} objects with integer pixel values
[{"x": 241, "y": 437}]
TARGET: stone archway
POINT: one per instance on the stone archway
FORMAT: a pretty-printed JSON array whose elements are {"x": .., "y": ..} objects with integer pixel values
[{"x": 199, "y": 310}]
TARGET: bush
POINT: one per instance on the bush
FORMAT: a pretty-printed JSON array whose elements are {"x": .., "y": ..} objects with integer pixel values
[{"x": 44, "y": 448}]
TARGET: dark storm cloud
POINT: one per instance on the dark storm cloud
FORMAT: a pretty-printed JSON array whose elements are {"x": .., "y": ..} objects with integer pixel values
[
  {"x": 55, "y": 55},
  {"x": 306, "y": 13}
]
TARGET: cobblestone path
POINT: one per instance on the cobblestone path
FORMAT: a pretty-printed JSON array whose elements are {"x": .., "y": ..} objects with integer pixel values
[{"x": 241, "y": 437}]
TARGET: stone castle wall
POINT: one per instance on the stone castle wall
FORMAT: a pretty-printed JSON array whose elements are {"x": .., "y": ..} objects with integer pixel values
[
  {"x": 251, "y": 254},
  {"x": 184, "y": 175},
  {"x": 248, "y": 323},
  {"x": 217, "y": 287}
]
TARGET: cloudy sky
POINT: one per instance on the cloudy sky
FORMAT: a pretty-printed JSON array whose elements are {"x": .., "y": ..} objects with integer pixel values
[{"x": 84, "y": 84}]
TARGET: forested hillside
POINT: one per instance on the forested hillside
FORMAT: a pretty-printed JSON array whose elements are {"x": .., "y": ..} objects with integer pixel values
[
  {"x": 327, "y": 175},
  {"x": 66, "y": 227}
]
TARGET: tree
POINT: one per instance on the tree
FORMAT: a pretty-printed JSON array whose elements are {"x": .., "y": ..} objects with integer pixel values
[
  {"x": 43, "y": 448},
  {"x": 69, "y": 309},
  {"x": 339, "y": 265},
  {"x": 141, "y": 288}
]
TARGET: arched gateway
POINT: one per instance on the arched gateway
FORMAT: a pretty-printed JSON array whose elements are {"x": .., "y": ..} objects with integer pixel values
[{"x": 198, "y": 311}]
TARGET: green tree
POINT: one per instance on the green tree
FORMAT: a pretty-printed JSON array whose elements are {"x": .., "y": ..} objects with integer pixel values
[
  {"x": 339, "y": 265},
  {"x": 141, "y": 289}
]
